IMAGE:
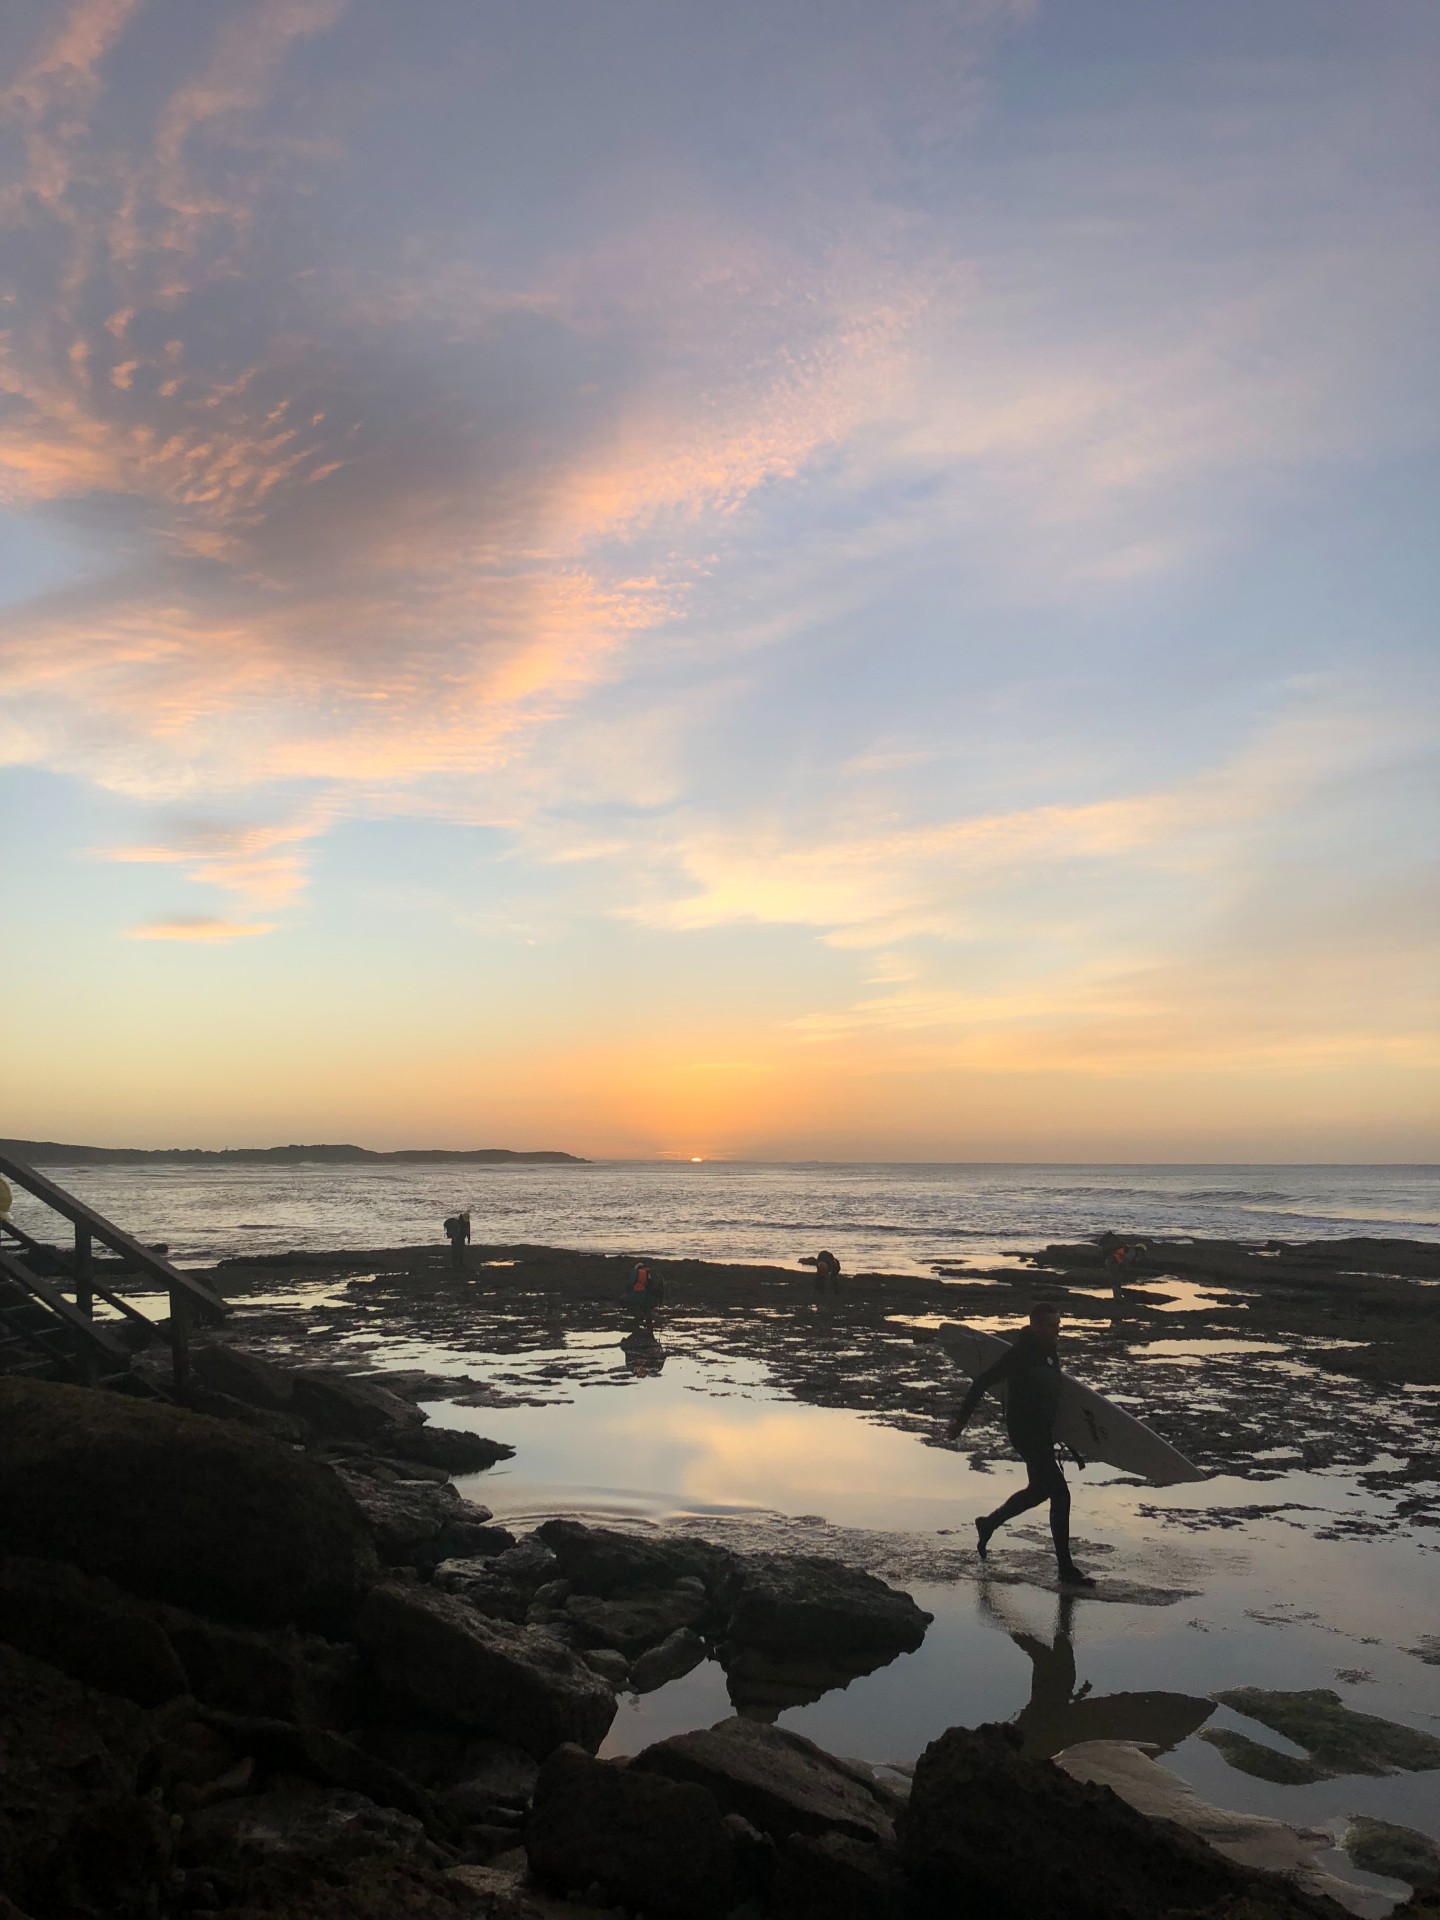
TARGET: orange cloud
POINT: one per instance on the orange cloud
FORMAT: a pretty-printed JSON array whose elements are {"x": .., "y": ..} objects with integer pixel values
[{"x": 198, "y": 926}]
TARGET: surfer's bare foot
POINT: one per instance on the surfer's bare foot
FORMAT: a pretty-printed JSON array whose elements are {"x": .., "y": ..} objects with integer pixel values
[
  {"x": 984, "y": 1527},
  {"x": 1071, "y": 1576}
]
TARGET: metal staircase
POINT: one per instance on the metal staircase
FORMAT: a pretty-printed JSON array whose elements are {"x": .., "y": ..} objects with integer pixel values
[{"x": 48, "y": 1295}]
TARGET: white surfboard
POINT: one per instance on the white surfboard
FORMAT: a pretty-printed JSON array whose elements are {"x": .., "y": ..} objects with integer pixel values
[{"x": 1085, "y": 1421}]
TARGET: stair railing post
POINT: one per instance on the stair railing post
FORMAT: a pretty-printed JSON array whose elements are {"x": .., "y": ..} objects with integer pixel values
[
  {"x": 84, "y": 1272},
  {"x": 180, "y": 1341}
]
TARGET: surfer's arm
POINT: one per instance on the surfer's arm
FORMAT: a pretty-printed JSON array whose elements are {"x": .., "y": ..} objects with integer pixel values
[{"x": 978, "y": 1387}]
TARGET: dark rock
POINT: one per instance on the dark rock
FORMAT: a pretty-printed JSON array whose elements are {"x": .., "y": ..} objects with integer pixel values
[
  {"x": 601, "y": 1561},
  {"x": 177, "y": 1506},
  {"x": 833, "y": 1876},
  {"x": 288, "y": 1428},
  {"x": 415, "y": 1523},
  {"x": 779, "y": 1781},
  {"x": 755, "y": 1855},
  {"x": 282, "y": 1676},
  {"x": 678, "y": 1654},
  {"x": 816, "y": 1608},
  {"x": 1379, "y": 1846},
  {"x": 486, "y": 1542},
  {"x": 78, "y": 1837},
  {"x": 453, "y": 1448},
  {"x": 89, "y": 1629},
  {"x": 1028, "y": 1842},
  {"x": 317, "y": 1853},
  {"x": 652, "y": 1845},
  {"x": 639, "y": 1617},
  {"x": 608, "y": 1662},
  {"x": 495, "y": 1776},
  {"x": 502, "y": 1585},
  {"x": 327, "y": 1757},
  {"x": 334, "y": 1403},
  {"x": 516, "y": 1684},
  {"x": 244, "y": 1376}
]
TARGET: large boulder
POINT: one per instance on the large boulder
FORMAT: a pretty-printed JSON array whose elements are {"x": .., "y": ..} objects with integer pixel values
[
  {"x": 655, "y": 1846},
  {"x": 183, "y": 1508},
  {"x": 601, "y": 1561},
  {"x": 779, "y": 1781},
  {"x": 78, "y": 1835},
  {"x": 1027, "y": 1842},
  {"x": 814, "y": 1608},
  {"x": 344, "y": 1408},
  {"x": 434, "y": 1652},
  {"x": 243, "y": 1376}
]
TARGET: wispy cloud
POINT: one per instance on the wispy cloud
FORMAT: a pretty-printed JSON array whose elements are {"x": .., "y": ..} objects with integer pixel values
[{"x": 199, "y": 927}]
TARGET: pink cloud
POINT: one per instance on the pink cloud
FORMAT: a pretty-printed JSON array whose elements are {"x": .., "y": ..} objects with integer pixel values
[{"x": 198, "y": 926}]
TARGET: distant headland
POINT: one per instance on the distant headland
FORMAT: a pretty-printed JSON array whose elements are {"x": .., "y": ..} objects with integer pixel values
[{"x": 52, "y": 1153}]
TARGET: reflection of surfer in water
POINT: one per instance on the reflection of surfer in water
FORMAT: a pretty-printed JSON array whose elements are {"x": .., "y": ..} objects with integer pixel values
[
  {"x": 1052, "y": 1676},
  {"x": 1030, "y": 1373},
  {"x": 1059, "y": 1714}
]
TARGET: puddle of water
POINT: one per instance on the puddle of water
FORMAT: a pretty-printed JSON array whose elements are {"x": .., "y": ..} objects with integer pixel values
[
  {"x": 1203, "y": 1349},
  {"x": 1190, "y": 1296}
]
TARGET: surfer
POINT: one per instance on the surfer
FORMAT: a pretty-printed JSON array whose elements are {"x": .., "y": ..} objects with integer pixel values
[{"x": 1030, "y": 1370}]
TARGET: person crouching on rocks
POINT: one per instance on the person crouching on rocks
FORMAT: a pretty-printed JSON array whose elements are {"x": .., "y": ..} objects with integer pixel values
[
  {"x": 645, "y": 1292},
  {"x": 1030, "y": 1372},
  {"x": 457, "y": 1232},
  {"x": 827, "y": 1267}
]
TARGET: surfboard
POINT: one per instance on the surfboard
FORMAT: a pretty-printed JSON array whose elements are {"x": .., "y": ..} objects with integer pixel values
[{"x": 1085, "y": 1421}]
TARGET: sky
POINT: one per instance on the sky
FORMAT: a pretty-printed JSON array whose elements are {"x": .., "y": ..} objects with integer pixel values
[{"x": 790, "y": 580}]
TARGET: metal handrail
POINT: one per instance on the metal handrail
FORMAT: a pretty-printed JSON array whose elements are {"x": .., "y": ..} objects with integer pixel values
[{"x": 184, "y": 1291}]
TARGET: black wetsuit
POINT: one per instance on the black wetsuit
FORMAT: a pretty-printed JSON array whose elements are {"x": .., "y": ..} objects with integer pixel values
[{"x": 1030, "y": 1372}]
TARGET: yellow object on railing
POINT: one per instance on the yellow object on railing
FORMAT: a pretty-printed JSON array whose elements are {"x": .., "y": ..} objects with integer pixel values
[{"x": 7, "y": 1200}]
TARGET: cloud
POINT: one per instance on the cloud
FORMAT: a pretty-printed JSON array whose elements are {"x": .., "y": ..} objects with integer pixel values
[{"x": 198, "y": 926}]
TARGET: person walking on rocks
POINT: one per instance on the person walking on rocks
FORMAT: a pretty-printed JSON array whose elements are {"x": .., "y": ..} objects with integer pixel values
[
  {"x": 1029, "y": 1370},
  {"x": 645, "y": 1292},
  {"x": 457, "y": 1231}
]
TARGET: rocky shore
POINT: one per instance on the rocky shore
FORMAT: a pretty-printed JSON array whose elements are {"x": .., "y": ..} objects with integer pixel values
[{"x": 259, "y": 1657}]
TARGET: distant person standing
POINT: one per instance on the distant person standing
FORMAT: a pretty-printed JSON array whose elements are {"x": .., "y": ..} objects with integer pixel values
[
  {"x": 645, "y": 1292},
  {"x": 827, "y": 1267},
  {"x": 1029, "y": 1370},
  {"x": 457, "y": 1231}
]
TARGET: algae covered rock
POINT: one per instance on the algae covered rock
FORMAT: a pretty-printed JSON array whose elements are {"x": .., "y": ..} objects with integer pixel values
[
  {"x": 1336, "y": 1738},
  {"x": 171, "y": 1504},
  {"x": 1379, "y": 1846}
]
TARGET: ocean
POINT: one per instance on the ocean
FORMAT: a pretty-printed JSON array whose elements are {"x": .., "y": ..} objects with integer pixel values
[{"x": 887, "y": 1218}]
